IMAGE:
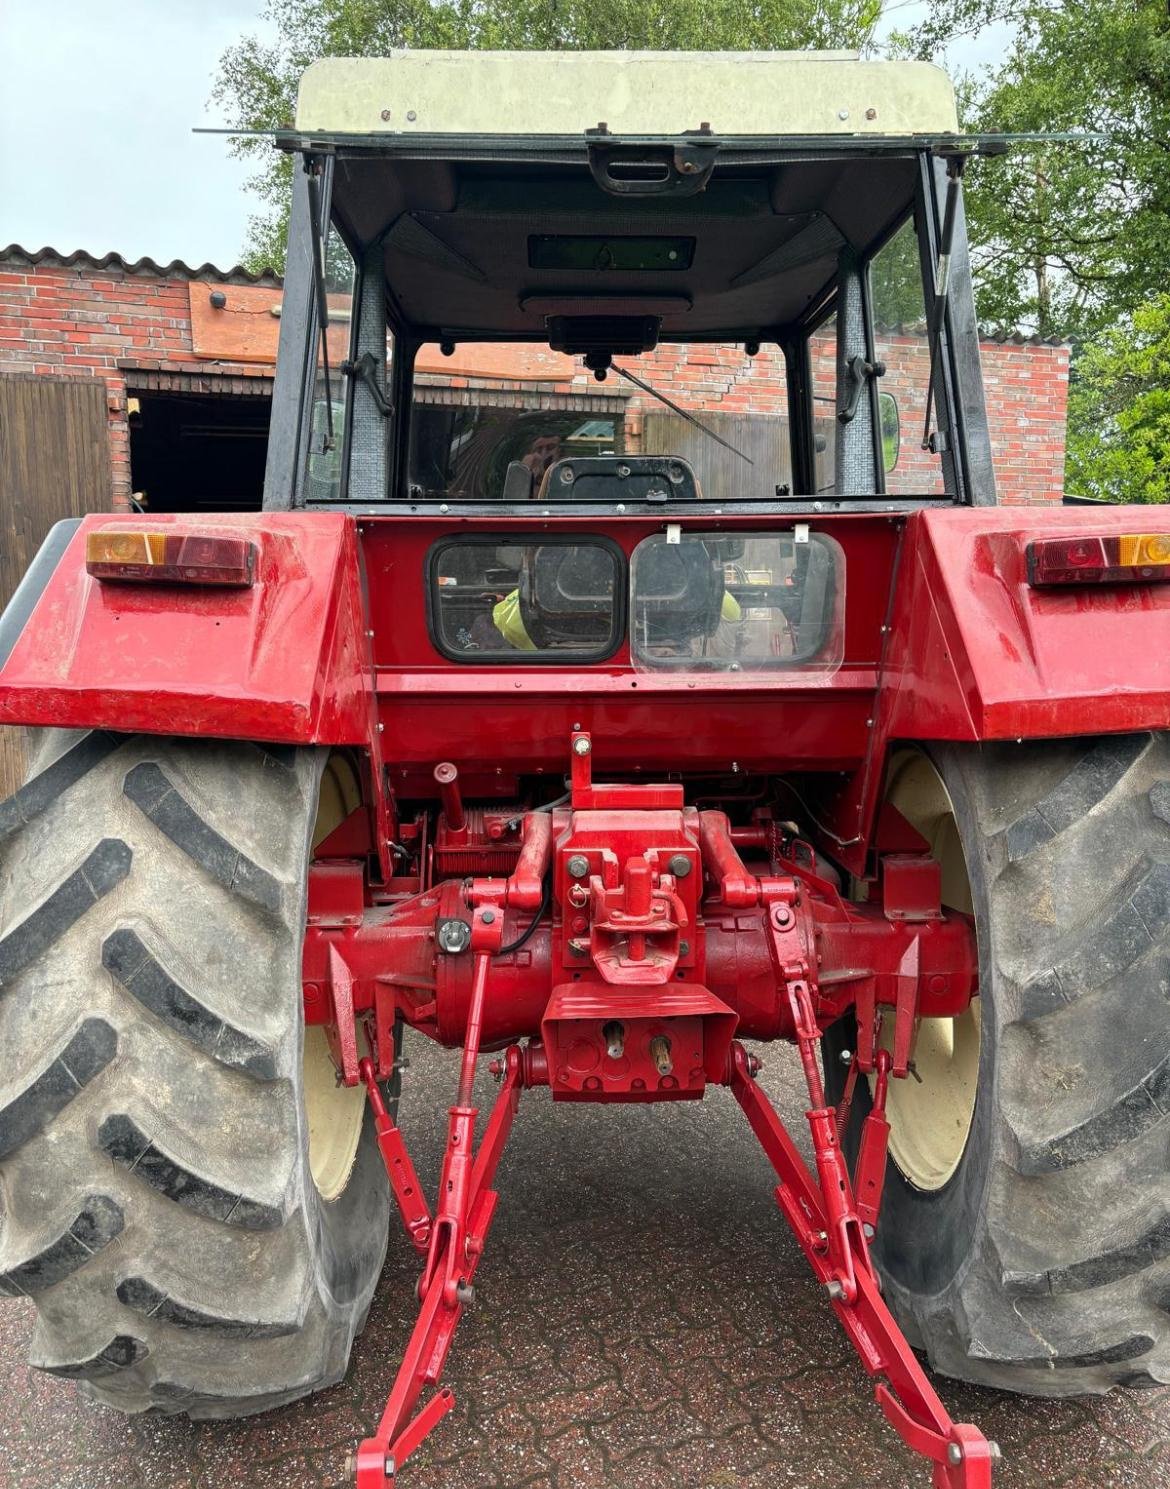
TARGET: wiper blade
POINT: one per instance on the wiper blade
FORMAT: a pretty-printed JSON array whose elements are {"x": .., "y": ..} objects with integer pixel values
[
  {"x": 682, "y": 412},
  {"x": 321, "y": 297}
]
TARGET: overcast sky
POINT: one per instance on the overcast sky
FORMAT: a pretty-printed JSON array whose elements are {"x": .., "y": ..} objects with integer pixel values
[{"x": 97, "y": 105}]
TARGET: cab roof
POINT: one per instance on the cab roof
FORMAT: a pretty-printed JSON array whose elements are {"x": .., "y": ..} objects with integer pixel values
[
  {"x": 501, "y": 189},
  {"x": 633, "y": 93}
]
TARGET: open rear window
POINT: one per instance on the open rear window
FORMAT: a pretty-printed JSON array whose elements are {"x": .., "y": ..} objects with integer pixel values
[
  {"x": 729, "y": 602},
  {"x": 538, "y": 600}
]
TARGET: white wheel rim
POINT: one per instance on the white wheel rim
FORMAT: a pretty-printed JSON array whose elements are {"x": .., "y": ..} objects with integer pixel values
[
  {"x": 334, "y": 1113},
  {"x": 930, "y": 1117}
]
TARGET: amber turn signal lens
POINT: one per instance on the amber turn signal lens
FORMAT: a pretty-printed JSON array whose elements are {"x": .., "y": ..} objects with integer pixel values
[
  {"x": 1144, "y": 548},
  {"x": 169, "y": 558},
  {"x": 125, "y": 548}
]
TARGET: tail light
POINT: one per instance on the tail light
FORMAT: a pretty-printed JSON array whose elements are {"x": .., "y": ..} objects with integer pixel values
[
  {"x": 169, "y": 558},
  {"x": 1129, "y": 558}
]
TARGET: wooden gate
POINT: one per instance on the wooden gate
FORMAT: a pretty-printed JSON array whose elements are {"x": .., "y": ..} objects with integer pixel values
[
  {"x": 723, "y": 476},
  {"x": 54, "y": 463}
]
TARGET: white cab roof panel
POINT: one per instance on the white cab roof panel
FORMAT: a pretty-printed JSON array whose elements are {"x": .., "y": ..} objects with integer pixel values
[{"x": 638, "y": 94}]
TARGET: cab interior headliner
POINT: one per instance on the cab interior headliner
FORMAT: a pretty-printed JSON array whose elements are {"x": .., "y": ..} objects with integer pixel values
[{"x": 455, "y": 241}]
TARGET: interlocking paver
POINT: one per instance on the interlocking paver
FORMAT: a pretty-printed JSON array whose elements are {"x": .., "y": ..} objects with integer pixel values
[{"x": 644, "y": 1321}]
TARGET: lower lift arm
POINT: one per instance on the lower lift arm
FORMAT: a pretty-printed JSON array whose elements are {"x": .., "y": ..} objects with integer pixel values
[{"x": 827, "y": 1223}]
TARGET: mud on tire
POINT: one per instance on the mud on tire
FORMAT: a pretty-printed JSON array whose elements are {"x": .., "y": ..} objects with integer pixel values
[
  {"x": 156, "y": 1199},
  {"x": 1043, "y": 1264}
]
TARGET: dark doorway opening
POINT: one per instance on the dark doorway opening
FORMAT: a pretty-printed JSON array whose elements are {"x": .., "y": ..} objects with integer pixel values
[{"x": 194, "y": 452}]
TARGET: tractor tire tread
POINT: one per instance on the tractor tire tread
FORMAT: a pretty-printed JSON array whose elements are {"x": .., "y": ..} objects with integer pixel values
[
  {"x": 1055, "y": 1270},
  {"x": 158, "y": 1207}
]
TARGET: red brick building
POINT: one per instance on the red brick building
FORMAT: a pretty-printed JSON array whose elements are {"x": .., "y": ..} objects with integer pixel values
[{"x": 184, "y": 357}]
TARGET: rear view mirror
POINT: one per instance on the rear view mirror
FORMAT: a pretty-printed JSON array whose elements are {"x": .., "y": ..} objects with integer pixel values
[{"x": 891, "y": 430}]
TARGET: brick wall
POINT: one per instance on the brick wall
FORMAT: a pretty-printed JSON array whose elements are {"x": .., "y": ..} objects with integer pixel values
[
  {"x": 1025, "y": 383},
  {"x": 123, "y": 322},
  {"x": 64, "y": 319},
  {"x": 1027, "y": 405}
]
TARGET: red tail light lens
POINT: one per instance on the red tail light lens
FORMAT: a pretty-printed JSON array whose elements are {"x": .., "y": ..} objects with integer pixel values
[
  {"x": 1129, "y": 558},
  {"x": 170, "y": 558}
]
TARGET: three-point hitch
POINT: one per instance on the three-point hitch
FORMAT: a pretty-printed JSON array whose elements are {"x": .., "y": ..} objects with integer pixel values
[{"x": 653, "y": 960}]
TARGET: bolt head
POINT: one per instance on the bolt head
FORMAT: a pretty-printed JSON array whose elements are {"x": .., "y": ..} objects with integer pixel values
[
  {"x": 679, "y": 865},
  {"x": 581, "y": 745},
  {"x": 994, "y": 1451},
  {"x": 835, "y": 1290},
  {"x": 488, "y": 917},
  {"x": 578, "y": 865},
  {"x": 954, "y": 1453}
]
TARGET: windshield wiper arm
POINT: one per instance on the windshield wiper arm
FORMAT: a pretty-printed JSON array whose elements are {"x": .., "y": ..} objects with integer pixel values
[
  {"x": 320, "y": 295},
  {"x": 682, "y": 412}
]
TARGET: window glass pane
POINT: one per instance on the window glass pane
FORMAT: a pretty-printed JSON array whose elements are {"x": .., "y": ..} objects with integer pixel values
[
  {"x": 517, "y": 600},
  {"x": 901, "y": 342},
  {"x": 492, "y": 405},
  {"x": 330, "y": 392},
  {"x": 730, "y": 602},
  {"x": 822, "y": 349}
]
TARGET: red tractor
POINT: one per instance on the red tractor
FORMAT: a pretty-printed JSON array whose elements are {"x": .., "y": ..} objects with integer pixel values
[{"x": 503, "y": 723}]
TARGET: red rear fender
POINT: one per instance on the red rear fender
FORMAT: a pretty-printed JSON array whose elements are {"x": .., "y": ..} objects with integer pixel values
[{"x": 285, "y": 659}]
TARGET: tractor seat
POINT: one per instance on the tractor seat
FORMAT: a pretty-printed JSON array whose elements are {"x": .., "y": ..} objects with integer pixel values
[
  {"x": 619, "y": 478},
  {"x": 678, "y": 593},
  {"x": 567, "y": 594}
]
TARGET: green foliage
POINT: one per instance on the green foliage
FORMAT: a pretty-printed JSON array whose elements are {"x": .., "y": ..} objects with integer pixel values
[
  {"x": 1074, "y": 240},
  {"x": 895, "y": 283},
  {"x": 1119, "y": 410},
  {"x": 257, "y": 83},
  {"x": 1066, "y": 237}
]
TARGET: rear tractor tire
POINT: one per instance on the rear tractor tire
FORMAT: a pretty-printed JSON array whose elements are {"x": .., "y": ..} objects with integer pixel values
[
  {"x": 1024, "y": 1239},
  {"x": 197, "y": 1211}
]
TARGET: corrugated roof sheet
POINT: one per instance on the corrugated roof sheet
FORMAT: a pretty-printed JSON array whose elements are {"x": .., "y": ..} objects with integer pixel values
[{"x": 176, "y": 269}]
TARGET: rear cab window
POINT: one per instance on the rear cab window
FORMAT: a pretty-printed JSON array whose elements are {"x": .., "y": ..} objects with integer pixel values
[
  {"x": 692, "y": 601},
  {"x": 731, "y": 602},
  {"x": 527, "y": 599}
]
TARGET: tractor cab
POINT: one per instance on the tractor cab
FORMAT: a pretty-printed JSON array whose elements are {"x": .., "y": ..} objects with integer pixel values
[{"x": 610, "y": 258}]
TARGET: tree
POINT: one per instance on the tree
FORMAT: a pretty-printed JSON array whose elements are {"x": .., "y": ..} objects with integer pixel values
[
  {"x": 257, "y": 82},
  {"x": 1119, "y": 410},
  {"x": 1067, "y": 237}
]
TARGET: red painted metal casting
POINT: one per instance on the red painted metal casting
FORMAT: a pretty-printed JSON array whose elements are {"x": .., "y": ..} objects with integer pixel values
[{"x": 629, "y": 979}]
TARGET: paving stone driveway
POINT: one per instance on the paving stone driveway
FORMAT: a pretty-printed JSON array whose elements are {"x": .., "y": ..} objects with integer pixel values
[{"x": 643, "y": 1320}]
